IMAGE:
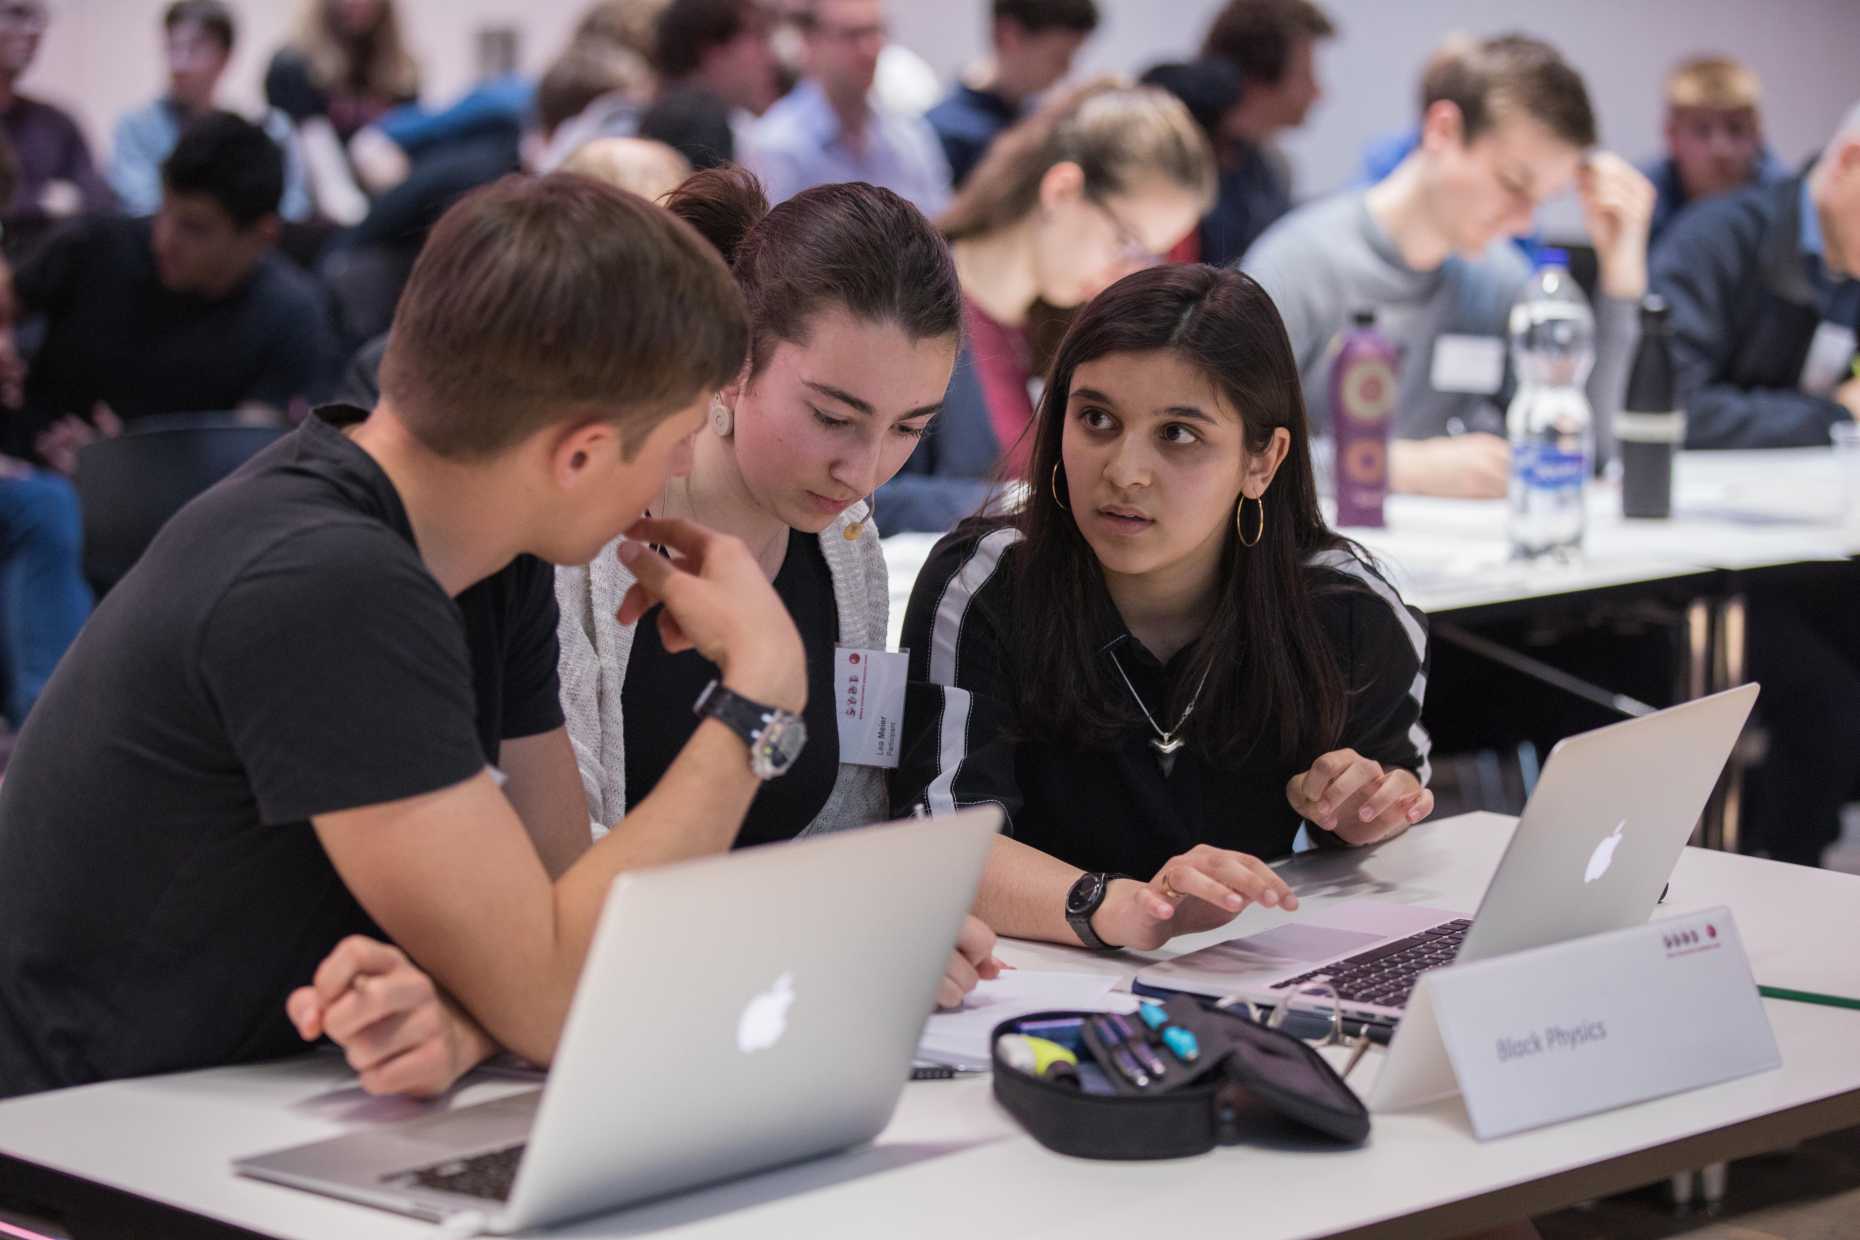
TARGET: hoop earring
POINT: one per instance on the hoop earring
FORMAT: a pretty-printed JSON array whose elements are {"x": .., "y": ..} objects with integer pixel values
[
  {"x": 1240, "y": 522},
  {"x": 722, "y": 417},
  {"x": 1063, "y": 506}
]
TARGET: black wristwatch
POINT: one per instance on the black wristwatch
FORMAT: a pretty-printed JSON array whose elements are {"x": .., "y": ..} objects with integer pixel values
[
  {"x": 1085, "y": 898},
  {"x": 775, "y": 737}
]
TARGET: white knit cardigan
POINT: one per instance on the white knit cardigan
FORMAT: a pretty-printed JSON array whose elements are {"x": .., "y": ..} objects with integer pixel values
[{"x": 595, "y": 648}]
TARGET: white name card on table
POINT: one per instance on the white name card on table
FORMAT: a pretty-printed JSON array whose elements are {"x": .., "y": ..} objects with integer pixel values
[{"x": 1584, "y": 1026}]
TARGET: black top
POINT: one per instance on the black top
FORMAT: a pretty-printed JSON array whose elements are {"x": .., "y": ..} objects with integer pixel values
[
  {"x": 510, "y": 622},
  {"x": 292, "y": 88},
  {"x": 280, "y": 652},
  {"x": 116, "y": 334},
  {"x": 661, "y": 689},
  {"x": 1115, "y": 810}
]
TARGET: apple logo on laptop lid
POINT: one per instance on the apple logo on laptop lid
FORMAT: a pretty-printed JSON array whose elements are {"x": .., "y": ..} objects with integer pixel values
[
  {"x": 1604, "y": 854},
  {"x": 765, "y": 1017}
]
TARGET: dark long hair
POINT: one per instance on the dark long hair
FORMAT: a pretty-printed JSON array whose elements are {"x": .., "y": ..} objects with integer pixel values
[{"x": 1271, "y": 675}]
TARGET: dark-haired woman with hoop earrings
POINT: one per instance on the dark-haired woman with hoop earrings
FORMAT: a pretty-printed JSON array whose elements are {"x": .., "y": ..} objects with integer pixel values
[{"x": 1165, "y": 662}]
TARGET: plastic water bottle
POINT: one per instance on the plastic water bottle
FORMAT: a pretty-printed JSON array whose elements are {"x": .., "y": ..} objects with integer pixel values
[
  {"x": 1363, "y": 380},
  {"x": 1551, "y": 427}
]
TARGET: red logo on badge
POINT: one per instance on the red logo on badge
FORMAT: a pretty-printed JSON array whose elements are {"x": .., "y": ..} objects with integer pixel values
[
  {"x": 1711, "y": 930},
  {"x": 853, "y": 658}
]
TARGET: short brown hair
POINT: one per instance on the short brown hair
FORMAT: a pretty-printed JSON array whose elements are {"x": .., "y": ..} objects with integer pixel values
[
  {"x": 1257, "y": 36},
  {"x": 1716, "y": 82},
  {"x": 542, "y": 300},
  {"x": 584, "y": 73},
  {"x": 1510, "y": 73}
]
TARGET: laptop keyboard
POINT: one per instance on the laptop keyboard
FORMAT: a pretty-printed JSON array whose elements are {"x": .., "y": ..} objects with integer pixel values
[
  {"x": 1385, "y": 975},
  {"x": 489, "y": 1176}
]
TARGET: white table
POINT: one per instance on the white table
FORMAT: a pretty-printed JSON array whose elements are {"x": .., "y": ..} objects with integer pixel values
[
  {"x": 952, "y": 1162},
  {"x": 1733, "y": 511}
]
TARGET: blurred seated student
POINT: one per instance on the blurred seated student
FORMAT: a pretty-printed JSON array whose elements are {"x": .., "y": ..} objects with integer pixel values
[
  {"x": 345, "y": 66},
  {"x": 719, "y": 50},
  {"x": 56, "y": 176},
  {"x": 695, "y": 123},
  {"x": 190, "y": 311},
  {"x": 1714, "y": 138},
  {"x": 216, "y": 853},
  {"x": 828, "y": 129},
  {"x": 384, "y": 152},
  {"x": 1034, "y": 43},
  {"x": 1272, "y": 44},
  {"x": 1101, "y": 181},
  {"x": 44, "y": 598},
  {"x": 366, "y": 267},
  {"x": 1507, "y": 125},
  {"x": 854, "y": 315},
  {"x": 1764, "y": 285},
  {"x": 197, "y": 39},
  {"x": 1164, "y": 662}
]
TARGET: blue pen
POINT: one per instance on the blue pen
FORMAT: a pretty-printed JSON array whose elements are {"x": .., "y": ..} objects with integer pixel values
[
  {"x": 1128, "y": 1065},
  {"x": 1153, "y": 1015}
]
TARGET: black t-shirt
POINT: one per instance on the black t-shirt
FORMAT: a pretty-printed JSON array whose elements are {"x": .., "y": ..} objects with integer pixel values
[
  {"x": 661, "y": 689},
  {"x": 116, "y": 334},
  {"x": 292, "y": 88},
  {"x": 1114, "y": 809},
  {"x": 280, "y": 652},
  {"x": 510, "y": 622}
]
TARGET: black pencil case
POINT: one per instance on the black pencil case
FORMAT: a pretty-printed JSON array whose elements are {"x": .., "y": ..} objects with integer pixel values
[{"x": 1248, "y": 1081}]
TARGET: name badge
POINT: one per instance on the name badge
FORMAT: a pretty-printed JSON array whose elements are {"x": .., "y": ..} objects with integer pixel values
[
  {"x": 1830, "y": 357},
  {"x": 869, "y": 697},
  {"x": 1575, "y": 1028},
  {"x": 1472, "y": 364}
]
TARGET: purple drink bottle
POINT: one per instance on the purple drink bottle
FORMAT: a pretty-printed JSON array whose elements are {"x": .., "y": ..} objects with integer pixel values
[{"x": 1363, "y": 378}]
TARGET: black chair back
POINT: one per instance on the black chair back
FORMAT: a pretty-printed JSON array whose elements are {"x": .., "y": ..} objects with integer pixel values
[{"x": 130, "y": 486}]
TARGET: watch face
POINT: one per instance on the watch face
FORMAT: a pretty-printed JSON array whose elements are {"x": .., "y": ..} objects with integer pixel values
[
  {"x": 782, "y": 742},
  {"x": 1084, "y": 893}
]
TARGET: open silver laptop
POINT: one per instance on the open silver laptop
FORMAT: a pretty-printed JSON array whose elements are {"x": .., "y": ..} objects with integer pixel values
[
  {"x": 735, "y": 1013},
  {"x": 1596, "y": 844}
]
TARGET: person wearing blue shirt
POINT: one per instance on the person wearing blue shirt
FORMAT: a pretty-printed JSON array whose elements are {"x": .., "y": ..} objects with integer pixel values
[
  {"x": 1714, "y": 138},
  {"x": 827, "y": 129},
  {"x": 1034, "y": 45},
  {"x": 198, "y": 38}
]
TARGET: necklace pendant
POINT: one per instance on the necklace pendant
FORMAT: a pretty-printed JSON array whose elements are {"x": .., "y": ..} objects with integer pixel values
[
  {"x": 1165, "y": 758},
  {"x": 1167, "y": 745}
]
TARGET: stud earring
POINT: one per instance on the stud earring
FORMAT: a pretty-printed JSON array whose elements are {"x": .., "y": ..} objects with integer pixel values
[{"x": 722, "y": 417}]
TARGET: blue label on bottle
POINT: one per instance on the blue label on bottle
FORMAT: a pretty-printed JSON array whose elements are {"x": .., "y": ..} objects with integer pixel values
[{"x": 1543, "y": 468}]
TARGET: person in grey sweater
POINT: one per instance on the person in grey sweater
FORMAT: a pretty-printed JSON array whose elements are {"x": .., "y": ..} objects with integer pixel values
[{"x": 1506, "y": 125}]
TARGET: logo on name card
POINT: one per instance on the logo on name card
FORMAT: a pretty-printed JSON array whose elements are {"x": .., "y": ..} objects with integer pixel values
[
  {"x": 1604, "y": 854},
  {"x": 1690, "y": 942},
  {"x": 854, "y": 659}
]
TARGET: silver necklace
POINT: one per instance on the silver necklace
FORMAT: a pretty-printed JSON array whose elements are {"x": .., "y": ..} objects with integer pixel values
[{"x": 1164, "y": 743}]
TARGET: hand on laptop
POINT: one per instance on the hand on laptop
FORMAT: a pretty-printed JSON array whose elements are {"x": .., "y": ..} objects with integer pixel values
[
  {"x": 401, "y": 1034},
  {"x": 1356, "y": 800},
  {"x": 718, "y": 602},
  {"x": 1204, "y": 888},
  {"x": 973, "y": 961}
]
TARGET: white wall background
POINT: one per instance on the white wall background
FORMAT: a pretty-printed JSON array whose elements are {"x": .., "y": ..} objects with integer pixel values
[{"x": 101, "y": 57}]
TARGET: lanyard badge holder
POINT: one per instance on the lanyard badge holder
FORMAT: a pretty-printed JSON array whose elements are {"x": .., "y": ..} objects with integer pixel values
[{"x": 1173, "y": 1080}]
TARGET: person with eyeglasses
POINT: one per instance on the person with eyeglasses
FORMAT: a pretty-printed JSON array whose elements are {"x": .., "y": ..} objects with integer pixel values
[
  {"x": 1506, "y": 125},
  {"x": 57, "y": 177},
  {"x": 1099, "y": 183},
  {"x": 829, "y": 129},
  {"x": 1164, "y": 662}
]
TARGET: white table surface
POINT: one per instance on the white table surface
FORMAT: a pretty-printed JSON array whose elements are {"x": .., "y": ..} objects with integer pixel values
[
  {"x": 953, "y": 1162},
  {"x": 1732, "y": 510}
]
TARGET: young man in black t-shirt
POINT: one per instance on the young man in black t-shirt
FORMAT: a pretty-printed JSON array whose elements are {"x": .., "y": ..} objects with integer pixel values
[
  {"x": 266, "y": 741},
  {"x": 190, "y": 311}
]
